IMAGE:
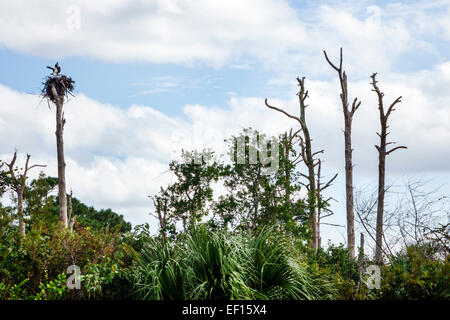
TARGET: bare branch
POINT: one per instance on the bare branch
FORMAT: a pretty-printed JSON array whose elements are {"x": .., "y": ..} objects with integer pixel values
[
  {"x": 329, "y": 182},
  {"x": 284, "y": 112},
  {"x": 332, "y": 224},
  {"x": 331, "y": 63},
  {"x": 391, "y": 107},
  {"x": 396, "y": 148}
]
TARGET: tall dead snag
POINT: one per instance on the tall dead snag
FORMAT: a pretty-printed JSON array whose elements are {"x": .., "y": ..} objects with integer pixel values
[
  {"x": 17, "y": 183},
  {"x": 382, "y": 153},
  {"x": 348, "y": 117},
  {"x": 322, "y": 211},
  {"x": 288, "y": 141},
  {"x": 71, "y": 219},
  {"x": 307, "y": 156},
  {"x": 56, "y": 88},
  {"x": 161, "y": 203}
]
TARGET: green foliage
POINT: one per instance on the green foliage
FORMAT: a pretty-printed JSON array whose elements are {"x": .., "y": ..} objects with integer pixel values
[
  {"x": 158, "y": 274},
  {"x": 253, "y": 246},
  {"x": 96, "y": 275},
  {"x": 336, "y": 264},
  {"x": 33, "y": 267},
  {"x": 13, "y": 258},
  {"x": 191, "y": 192},
  {"x": 12, "y": 291},
  {"x": 99, "y": 220},
  {"x": 205, "y": 264},
  {"x": 279, "y": 272},
  {"x": 215, "y": 266},
  {"x": 255, "y": 195},
  {"x": 54, "y": 289},
  {"x": 43, "y": 208},
  {"x": 416, "y": 273},
  {"x": 6, "y": 218},
  {"x": 5, "y": 179}
]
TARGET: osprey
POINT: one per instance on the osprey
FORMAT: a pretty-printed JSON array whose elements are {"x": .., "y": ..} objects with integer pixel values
[{"x": 56, "y": 69}]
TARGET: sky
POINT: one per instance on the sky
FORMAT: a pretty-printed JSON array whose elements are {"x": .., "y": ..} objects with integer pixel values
[{"x": 153, "y": 77}]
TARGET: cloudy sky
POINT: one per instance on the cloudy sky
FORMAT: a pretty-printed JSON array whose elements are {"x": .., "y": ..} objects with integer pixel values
[{"x": 155, "y": 76}]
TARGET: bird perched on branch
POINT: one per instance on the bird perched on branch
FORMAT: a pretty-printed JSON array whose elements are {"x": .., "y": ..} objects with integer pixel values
[{"x": 56, "y": 70}]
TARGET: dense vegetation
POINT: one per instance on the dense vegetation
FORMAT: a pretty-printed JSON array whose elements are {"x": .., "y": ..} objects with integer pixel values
[
  {"x": 241, "y": 225},
  {"x": 251, "y": 242}
]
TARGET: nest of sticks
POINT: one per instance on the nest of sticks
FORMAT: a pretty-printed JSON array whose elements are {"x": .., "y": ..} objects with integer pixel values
[{"x": 63, "y": 85}]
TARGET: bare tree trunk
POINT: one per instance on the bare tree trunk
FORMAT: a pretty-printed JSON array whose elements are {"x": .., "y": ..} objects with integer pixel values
[
  {"x": 312, "y": 196},
  {"x": 161, "y": 208},
  {"x": 18, "y": 185},
  {"x": 348, "y": 117},
  {"x": 287, "y": 174},
  {"x": 349, "y": 185},
  {"x": 20, "y": 211},
  {"x": 288, "y": 142},
  {"x": 308, "y": 159},
  {"x": 381, "y": 190},
  {"x": 320, "y": 187},
  {"x": 319, "y": 238},
  {"x": 382, "y": 153},
  {"x": 70, "y": 218},
  {"x": 361, "y": 246},
  {"x": 60, "y": 154}
]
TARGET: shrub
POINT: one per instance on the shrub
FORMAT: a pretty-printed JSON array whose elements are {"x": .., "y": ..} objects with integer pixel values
[
  {"x": 32, "y": 267},
  {"x": 220, "y": 265},
  {"x": 416, "y": 273},
  {"x": 336, "y": 265}
]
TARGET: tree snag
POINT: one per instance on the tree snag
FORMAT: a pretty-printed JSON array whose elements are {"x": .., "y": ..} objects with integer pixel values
[
  {"x": 322, "y": 211},
  {"x": 17, "y": 184},
  {"x": 56, "y": 89},
  {"x": 348, "y": 117},
  {"x": 70, "y": 218},
  {"x": 307, "y": 156},
  {"x": 161, "y": 203},
  {"x": 382, "y": 153}
]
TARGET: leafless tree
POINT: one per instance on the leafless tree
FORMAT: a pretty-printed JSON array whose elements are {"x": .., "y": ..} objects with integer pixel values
[
  {"x": 416, "y": 215},
  {"x": 56, "y": 89},
  {"x": 322, "y": 210},
  {"x": 17, "y": 184},
  {"x": 365, "y": 210},
  {"x": 71, "y": 219},
  {"x": 421, "y": 216},
  {"x": 308, "y": 157},
  {"x": 288, "y": 141},
  {"x": 161, "y": 204},
  {"x": 382, "y": 153},
  {"x": 348, "y": 118}
]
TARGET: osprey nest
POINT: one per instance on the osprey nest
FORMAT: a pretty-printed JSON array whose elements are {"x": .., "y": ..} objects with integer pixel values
[{"x": 62, "y": 84}]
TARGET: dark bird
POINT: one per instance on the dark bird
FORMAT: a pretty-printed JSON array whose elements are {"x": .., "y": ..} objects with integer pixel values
[{"x": 56, "y": 70}]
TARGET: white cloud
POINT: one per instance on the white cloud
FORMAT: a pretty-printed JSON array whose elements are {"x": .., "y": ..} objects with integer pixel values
[
  {"x": 171, "y": 83},
  {"x": 117, "y": 157},
  {"x": 238, "y": 33},
  {"x": 157, "y": 31}
]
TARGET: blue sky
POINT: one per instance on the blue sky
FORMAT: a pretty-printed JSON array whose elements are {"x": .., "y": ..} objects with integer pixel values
[
  {"x": 148, "y": 72},
  {"x": 164, "y": 86}
]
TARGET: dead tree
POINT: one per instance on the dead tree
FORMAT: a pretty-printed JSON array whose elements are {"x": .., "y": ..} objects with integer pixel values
[
  {"x": 307, "y": 156},
  {"x": 382, "y": 153},
  {"x": 288, "y": 141},
  {"x": 348, "y": 117},
  {"x": 71, "y": 219},
  {"x": 17, "y": 184},
  {"x": 162, "y": 211},
  {"x": 56, "y": 88},
  {"x": 322, "y": 211}
]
